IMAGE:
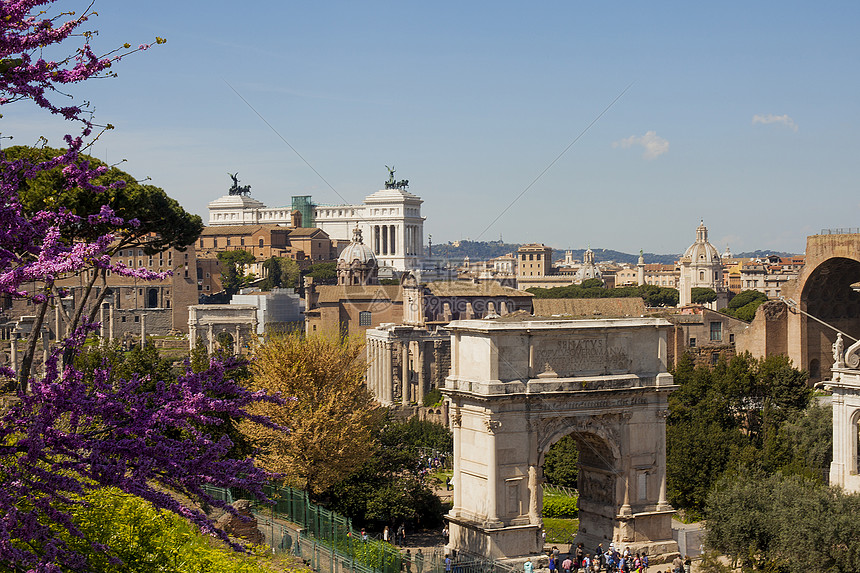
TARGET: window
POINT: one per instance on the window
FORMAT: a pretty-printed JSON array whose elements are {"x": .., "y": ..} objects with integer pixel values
[
  {"x": 214, "y": 242},
  {"x": 242, "y": 241},
  {"x": 715, "y": 357},
  {"x": 692, "y": 342},
  {"x": 364, "y": 318},
  {"x": 731, "y": 338},
  {"x": 716, "y": 331},
  {"x": 228, "y": 241},
  {"x": 261, "y": 242},
  {"x": 137, "y": 319}
]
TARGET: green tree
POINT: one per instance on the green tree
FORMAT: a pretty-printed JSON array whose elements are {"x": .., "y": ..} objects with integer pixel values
[
  {"x": 390, "y": 487},
  {"x": 323, "y": 272},
  {"x": 592, "y": 283},
  {"x": 772, "y": 522},
  {"x": 282, "y": 272},
  {"x": 162, "y": 223},
  {"x": 702, "y": 295},
  {"x": 744, "y": 304},
  {"x": 559, "y": 465},
  {"x": 726, "y": 416},
  {"x": 233, "y": 264},
  {"x": 653, "y": 295}
]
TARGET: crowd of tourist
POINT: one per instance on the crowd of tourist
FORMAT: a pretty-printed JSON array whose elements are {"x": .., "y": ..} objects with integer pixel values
[{"x": 611, "y": 560}]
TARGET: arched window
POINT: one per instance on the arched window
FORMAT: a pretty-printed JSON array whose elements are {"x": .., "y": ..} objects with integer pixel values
[{"x": 261, "y": 242}]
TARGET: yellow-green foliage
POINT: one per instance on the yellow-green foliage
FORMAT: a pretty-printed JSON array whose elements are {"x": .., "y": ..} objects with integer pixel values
[
  {"x": 148, "y": 540},
  {"x": 328, "y": 409}
]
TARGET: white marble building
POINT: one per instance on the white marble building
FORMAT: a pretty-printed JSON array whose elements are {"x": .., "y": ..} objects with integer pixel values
[
  {"x": 391, "y": 224},
  {"x": 390, "y": 221}
]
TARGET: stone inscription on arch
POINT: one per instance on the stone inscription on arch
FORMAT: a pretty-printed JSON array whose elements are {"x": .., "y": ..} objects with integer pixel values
[{"x": 568, "y": 357}]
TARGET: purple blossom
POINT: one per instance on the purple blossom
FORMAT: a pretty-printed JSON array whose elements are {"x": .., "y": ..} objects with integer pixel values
[{"x": 74, "y": 432}]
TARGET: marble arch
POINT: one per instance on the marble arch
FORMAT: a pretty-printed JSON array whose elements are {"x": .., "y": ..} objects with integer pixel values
[
  {"x": 822, "y": 289},
  {"x": 208, "y": 322},
  {"x": 518, "y": 386}
]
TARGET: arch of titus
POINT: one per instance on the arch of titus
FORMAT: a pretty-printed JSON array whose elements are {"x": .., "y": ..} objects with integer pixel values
[{"x": 516, "y": 388}]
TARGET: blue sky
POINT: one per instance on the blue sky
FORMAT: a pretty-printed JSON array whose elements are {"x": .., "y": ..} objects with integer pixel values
[{"x": 742, "y": 114}]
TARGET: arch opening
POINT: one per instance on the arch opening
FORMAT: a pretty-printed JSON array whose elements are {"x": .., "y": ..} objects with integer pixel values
[
  {"x": 595, "y": 478},
  {"x": 829, "y": 296}
]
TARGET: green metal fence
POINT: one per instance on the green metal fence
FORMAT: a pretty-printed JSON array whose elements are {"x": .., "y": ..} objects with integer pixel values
[{"x": 327, "y": 542}]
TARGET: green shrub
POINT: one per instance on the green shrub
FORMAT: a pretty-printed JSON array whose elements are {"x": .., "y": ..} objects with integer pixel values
[{"x": 560, "y": 507}]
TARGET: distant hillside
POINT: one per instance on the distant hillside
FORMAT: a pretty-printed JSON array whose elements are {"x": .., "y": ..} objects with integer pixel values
[
  {"x": 475, "y": 250},
  {"x": 485, "y": 250},
  {"x": 761, "y": 254},
  {"x": 601, "y": 255}
]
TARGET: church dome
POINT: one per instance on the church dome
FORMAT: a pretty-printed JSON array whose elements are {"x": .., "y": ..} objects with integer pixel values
[
  {"x": 588, "y": 270},
  {"x": 357, "y": 264},
  {"x": 357, "y": 251},
  {"x": 702, "y": 251}
]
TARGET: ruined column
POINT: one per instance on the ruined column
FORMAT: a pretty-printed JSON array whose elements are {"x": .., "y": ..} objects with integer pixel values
[
  {"x": 404, "y": 373},
  {"x": 419, "y": 372},
  {"x": 142, "y": 329},
  {"x": 14, "y": 351},
  {"x": 211, "y": 341},
  {"x": 103, "y": 327}
]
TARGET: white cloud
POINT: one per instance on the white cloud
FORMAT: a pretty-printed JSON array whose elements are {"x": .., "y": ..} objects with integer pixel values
[
  {"x": 653, "y": 144},
  {"x": 770, "y": 118}
]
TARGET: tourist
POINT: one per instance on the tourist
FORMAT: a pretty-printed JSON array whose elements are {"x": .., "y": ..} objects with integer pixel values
[
  {"x": 644, "y": 562},
  {"x": 566, "y": 564},
  {"x": 577, "y": 562},
  {"x": 419, "y": 561},
  {"x": 386, "y": 534},
  {"x": 448, "y": 563},
  {"x": 407, "y": 561},
  {"x": 527, "y": 566},
  {"x": 688, "y": 564},
  {"x": 677, "y": 565},
  {"x": 445, "y": 534},
  {"x": 552, "y": 563},
  {"x": 363, "y": 534}
]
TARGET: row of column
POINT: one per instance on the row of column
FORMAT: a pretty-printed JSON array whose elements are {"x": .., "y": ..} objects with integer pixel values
[
  {"x": 211, "y": 338},
  {"x": 384, "y": 239},
  {"x": 413, "y": 240},
  {"x": 379, "y": 374}
]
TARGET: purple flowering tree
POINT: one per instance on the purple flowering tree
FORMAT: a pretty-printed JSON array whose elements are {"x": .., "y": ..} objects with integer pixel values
[{"x": 67, "y": 433}]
